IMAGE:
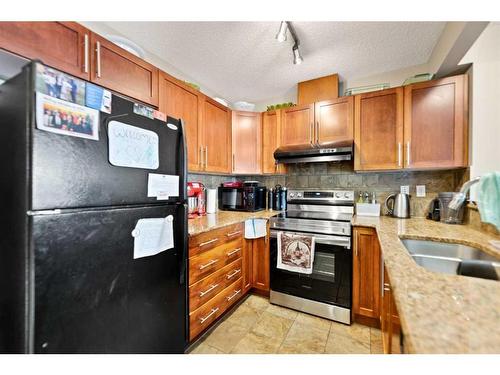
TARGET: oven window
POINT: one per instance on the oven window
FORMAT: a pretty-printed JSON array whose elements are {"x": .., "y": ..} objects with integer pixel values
[
  {"x": 324, "y": 267},
  {"x": 232, "y": 198}
]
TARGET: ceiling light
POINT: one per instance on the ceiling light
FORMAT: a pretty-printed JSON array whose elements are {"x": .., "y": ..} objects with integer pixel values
[
  {"x": 281, "y": 36},
  {"x": 297, "y": 58}
]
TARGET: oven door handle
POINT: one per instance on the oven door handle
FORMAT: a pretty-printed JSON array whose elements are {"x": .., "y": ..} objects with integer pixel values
[{"x": 320, "y": 238}]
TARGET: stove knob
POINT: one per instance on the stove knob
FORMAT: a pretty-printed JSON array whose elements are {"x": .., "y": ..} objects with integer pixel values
[
  {"x": 346, "y": 195},
  {"x": 337, "y": 195},
  {"x": 292, "y": 195},
  {"x": 299, "y": 195}
]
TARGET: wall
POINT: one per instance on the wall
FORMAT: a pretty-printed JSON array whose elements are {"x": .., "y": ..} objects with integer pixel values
[
  {"x": 342, "y": 176},
  {"x": 484, "y": 87}
]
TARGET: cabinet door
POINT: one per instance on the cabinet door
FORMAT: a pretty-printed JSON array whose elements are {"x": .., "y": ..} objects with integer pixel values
[
  {"x": 378, "y": 130},
  {"x": 216, "y": 137},
  {"x": 334, "y": 120},
  {"x": 366, "y": 274},
  {"x": 271, "y": 137},
  {"x": 247, "y": 265},
  {"x": 436, "y": 123},
  {"x": 62, "y": 45},
  {"x": 246, "y": 145},
  {"x": 121, "y": 71},
  {"x": 180, "y": 101},
  {"x": 261, "y": 272},
  {"x": 297, "y": 126}
]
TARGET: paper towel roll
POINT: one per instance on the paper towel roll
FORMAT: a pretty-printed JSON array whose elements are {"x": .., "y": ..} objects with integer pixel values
[{"x": 211, "y": 201}]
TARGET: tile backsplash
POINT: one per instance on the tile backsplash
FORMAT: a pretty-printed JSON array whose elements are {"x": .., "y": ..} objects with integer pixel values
[{"x": 342, "y": 176}]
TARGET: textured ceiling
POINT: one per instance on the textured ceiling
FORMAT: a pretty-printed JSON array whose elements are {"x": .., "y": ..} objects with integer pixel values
[{"x": 243, "y": 60}]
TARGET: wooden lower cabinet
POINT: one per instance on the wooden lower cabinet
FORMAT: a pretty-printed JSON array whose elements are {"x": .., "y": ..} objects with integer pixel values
[
  {"x": 247, "y": 265},
  {"x": 366, "y": 276},
  {"x": 200, "y": 319},
  {"x": 389, "y": 319},
  {"x": 260, "y": 264},
  {"x": 223, "y": 267}
]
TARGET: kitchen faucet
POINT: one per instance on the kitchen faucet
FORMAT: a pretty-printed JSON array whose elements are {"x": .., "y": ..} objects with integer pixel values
[{"x": 459, "y": 198}]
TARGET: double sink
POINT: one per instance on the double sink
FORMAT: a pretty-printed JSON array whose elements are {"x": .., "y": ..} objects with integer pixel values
[{"x": 452, "y": 258}]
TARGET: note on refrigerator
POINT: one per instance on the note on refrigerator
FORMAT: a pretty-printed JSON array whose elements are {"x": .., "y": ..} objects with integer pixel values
[
  {"x": 152, "y": 236},
  {"x": 163, "y": 186}
]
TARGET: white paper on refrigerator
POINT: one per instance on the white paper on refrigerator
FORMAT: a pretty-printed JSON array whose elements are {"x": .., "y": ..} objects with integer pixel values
[
  {"x": 133, "y": 147},
  {"x": 163, "y": 186},
  {"x": 152, "y": 236}
]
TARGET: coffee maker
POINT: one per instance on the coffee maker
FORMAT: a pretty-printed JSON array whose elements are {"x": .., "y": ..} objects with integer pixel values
[{"x": 196, "y": 199}]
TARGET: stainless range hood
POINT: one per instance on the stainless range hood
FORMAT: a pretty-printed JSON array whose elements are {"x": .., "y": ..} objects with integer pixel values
[{"x": 309, "y": 153}]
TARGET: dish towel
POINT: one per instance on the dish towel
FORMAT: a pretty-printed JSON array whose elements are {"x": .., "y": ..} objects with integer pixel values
[
  {"x": 295, "y": 252},
  {"x": 255, "y": 228},
  {"x": 489, "y": 198}
]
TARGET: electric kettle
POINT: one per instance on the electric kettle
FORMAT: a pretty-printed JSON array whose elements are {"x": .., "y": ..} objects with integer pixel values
[{"x": 400, "y": 205}]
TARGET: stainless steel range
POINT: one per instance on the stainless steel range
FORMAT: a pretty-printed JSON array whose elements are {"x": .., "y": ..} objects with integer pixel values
[{"x": 326, "y": 214}]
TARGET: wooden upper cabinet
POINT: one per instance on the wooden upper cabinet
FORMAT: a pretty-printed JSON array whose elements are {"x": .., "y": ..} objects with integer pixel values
[
  {"x": 436, "y": 123},
  {"x": 181, "y": 101},
  {"x": 62, "y": 45},
  {"x": 334, "y": 120},
  {"x": 378, "y": 130},
  {"x": 318, "y": 89},
  {"x": 366, "y": 274},
  {"x": 121, "y": 71},
  {"x": 271, "y": 140},
  {"x": 246, "y": 144},
  {"x": 297, "y": 125},
  {"x": 216, "y": 137}
]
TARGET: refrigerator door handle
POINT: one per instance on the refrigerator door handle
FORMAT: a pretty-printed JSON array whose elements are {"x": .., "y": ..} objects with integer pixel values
[{"x": 183, "y": 161}]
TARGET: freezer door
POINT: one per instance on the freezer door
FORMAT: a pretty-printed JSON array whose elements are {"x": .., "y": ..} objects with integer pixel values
[
  {"x": 72, "y": 172},
  {"x": 91, "y": 296}
]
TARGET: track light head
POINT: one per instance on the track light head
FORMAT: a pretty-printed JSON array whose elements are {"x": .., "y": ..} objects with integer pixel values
[
  {"x": 281, "y": 36},
  {"x": 297, "y": 58}
]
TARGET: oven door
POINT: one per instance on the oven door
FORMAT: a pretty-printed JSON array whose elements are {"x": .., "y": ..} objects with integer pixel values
[{"x": 330, "y": 281}]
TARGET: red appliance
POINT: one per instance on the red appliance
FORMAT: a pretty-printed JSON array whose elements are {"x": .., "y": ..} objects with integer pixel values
[{"x": 196, "y": 199}]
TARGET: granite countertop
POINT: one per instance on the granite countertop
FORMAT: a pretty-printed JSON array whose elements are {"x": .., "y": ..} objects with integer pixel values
[
  {"x": 222, "y": 218},
  {"x": 439, "y": 313}
]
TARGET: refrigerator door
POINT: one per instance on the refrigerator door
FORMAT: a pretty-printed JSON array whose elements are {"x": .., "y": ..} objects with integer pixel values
[
  {"x": 73, "y": 172},
  {"x": 92, "y": 296}
]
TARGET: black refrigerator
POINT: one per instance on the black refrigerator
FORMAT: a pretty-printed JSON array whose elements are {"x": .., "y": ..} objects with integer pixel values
[{"x": 69, "y": 278}]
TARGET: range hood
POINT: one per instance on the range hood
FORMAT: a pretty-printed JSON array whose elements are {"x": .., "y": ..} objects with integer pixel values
[{"x": 311, "y": 153}]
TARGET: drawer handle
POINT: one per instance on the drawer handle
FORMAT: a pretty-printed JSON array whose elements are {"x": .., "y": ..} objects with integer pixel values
[
  {"x": 233, "y": 233},
  {"x": 212, "y": 287},
  {"x": 234, "y": 295},
  {"x": 204, "y": 319},
  {"x": 231, "y": 275},
  {"x": 213, "y": 261},
  {"x": 208, "y": 242},
  {"x": 231, "y": 253}
]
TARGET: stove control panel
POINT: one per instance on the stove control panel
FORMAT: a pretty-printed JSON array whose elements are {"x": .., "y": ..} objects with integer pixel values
[{"x": 346, "y": 196}]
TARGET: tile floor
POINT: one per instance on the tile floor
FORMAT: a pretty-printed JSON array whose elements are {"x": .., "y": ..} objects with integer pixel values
[{"x": 258, "y": 327}]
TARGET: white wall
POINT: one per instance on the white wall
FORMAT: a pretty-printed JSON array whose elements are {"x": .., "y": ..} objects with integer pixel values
[{"x": 485, "y": 102}]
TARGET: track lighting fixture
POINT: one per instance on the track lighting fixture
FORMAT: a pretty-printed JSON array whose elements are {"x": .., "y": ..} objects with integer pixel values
[
  {"x": 297, "y": 58},
  {"x": 281, "y": 36}
]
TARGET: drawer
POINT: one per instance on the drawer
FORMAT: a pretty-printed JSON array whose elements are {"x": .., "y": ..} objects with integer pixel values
[
  {"x": 212, "y": 285},
  {"x": 202, "y": 318},
  {"x": 208, "y": 262},
  {"x": 208, "y": 240}
]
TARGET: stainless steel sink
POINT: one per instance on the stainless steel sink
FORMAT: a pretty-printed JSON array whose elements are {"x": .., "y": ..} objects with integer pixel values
[{"x": 453, "y": 258}]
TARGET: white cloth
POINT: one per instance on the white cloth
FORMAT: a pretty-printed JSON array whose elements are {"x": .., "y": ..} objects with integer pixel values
[
  {"x": 255, "y": 228},
  {"x": 295, "y": 252}
]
